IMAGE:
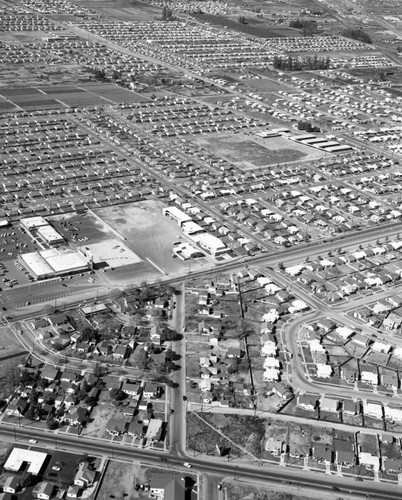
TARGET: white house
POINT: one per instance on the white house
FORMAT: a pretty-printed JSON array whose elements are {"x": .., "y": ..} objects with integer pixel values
[
  {"x": 270, "y": 375},
  {"x": 369, "y": 376},
  {"x": 373, "y": 409},
  {"x": 268, "y": 348},
  {"x": 324, "y": 371},
  {"x": 393, "y": 412}
]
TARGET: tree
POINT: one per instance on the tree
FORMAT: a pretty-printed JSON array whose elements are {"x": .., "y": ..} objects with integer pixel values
[
  {"x": 167, "y": 13},
  {"x": 27, "y": 480},
  {"x": 171, "y": 355},
  {"x": 51, "y": 423},
  {"x": 117, "y": 394},
  {"x": 242, "y": 20},
  {"x": 32, "y": 411},
  {"x": 171, "y": 335},
  {"x": 357, "y": 34}
]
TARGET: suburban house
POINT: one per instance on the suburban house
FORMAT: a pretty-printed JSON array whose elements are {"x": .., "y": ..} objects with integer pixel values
[
  {"x": 369, "y": 374},
  {"x": 331, "y": 404},
  {"x": 11, "y": 484},
  {"x": 116, "y": 426},
  {"x": 307, "y": 401},
  {"x": 167, "y": 486},
  {"x": 373, "y": 409},
  {"x": 322, "y": 453},
  {"x": 274, "y": 446},
  {"x": 43, "y": 490},
  {"x": 344, "y": 452},
  {"x": 84, "y": 477}
]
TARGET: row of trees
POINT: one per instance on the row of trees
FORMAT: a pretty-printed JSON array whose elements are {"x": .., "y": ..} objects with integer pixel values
[
  {"x": 296, "y": 64},
  {"x": 357, "y": 34}
]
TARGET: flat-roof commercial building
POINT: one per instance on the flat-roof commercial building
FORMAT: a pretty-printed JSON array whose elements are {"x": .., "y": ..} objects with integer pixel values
[
  {"x": 50, "y": 235},
  {"x": 21, "y": 457},
  {"x": 40, "y": 228},
  {"x": 339, "y": 149},
  {"x": 31, "y": 223},
  {"x": 210, "y": 243},
  {"x": 52, "y": 262},
  {"x": 175, "y": 213}
]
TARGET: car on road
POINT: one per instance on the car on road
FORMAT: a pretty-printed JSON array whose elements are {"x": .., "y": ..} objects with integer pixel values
[
  {"x": 32, "y": 441},
  {"x": 186, "y": 464},
  {"x": 219, "y": 487}
]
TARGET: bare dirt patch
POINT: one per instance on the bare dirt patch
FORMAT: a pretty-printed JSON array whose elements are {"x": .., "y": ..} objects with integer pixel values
[
  {"x": 147, "y": 232},
  {"x": 119, "y": 481},
  {"x": 248, "y": 153}
]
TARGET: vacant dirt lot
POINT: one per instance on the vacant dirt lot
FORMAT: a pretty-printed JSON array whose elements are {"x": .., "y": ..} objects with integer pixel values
[
  {"x": 119, "y": 481},
  {"x": 147, "y": 231},
  {"x": 248, "y": 153}
]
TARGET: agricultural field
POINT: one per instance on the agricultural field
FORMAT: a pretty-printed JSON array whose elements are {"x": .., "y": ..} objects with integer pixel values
[{"x": 68, "y": 96}]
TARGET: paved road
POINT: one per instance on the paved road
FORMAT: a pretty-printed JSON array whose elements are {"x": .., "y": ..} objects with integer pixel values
[
  {"x": 177, "y": 439},
  {"x": 319, "y": 484}
]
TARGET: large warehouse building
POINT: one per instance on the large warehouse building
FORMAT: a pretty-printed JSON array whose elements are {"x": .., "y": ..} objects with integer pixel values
[{"x": 52, "y": 262}]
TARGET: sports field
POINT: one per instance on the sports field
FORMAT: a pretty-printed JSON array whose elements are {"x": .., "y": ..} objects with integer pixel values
[{"x": 247, "y": 153}]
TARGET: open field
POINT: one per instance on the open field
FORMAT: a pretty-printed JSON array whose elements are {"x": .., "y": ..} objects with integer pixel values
[
  {"x": 206, "y": 431},
  {"x": 42, "y": 73},
  {"x": 238, "y": 492},
  {"x": 119, "y": 480},
  {"x": 253, "y": 26},
  {"x": 124, "y": 10},
  {"x": 248, "y": 154},
  {"x": 147, "y": 232}
]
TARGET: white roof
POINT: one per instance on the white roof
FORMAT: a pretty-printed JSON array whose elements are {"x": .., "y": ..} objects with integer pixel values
[
  {"x": 190, "y": 227},
  {"x": 381, "y": 347},
  {"x": 176, "y": 213},
  {"x": 271, "y": 363},
  {"x": 368, "y": 459},
  {"x": 153, "y": 427},
  {"x": 49, "y": 233},
  {"x": 32, "y": 222},
  {"x": 271, "y": 374},
  {"x": 209, "y": 241},
  {"x": 344, "y": 331},
  {"x": 324, "y": 371},
  {"x": 315, "y": 346},
  {"x": 94, "y": 308},
  {"x": 37, "y": 264},
  {"x": 18, "y": 456},
  {"x": 64, "y": 262}
]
